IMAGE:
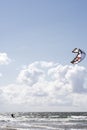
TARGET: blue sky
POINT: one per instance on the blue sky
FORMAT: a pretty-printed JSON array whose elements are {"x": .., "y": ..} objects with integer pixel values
[{"x": 41, "y": 30}]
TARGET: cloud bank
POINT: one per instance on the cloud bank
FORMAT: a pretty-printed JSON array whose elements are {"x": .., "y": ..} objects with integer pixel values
[{"x": 48, "y": 84}]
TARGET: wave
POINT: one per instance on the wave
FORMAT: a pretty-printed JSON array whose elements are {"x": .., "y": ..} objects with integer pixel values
[{"x": 45, "y": 121}]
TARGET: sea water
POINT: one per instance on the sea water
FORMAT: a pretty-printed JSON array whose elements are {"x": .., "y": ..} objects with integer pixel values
[{"x": 44, "y": 121}]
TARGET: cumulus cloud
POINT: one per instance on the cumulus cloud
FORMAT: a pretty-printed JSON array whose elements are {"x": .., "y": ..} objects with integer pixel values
[
  {"x": 30, "y": 75},
  {"x": 48, "y": 83},
  {"x": 4, "y": 59}
]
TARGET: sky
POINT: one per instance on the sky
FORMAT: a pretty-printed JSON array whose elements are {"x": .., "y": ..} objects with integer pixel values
[{"x": 36, "y": 42}]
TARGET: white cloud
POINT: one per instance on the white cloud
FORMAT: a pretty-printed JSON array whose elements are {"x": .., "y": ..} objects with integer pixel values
[
  {"x": 4, "y": 59},
  {"x": 30, "y": 75},
  {"x": 48, "y": 84}
]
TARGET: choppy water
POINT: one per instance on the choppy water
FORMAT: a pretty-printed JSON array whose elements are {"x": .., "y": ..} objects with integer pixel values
[{"x": 44, "y": 121}]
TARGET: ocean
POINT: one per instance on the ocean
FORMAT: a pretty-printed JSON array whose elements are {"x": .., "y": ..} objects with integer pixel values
[{"x": 44, "y": 121}]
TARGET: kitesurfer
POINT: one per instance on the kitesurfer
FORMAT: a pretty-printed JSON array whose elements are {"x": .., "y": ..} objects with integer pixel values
[{"x": 12, "y": 115}]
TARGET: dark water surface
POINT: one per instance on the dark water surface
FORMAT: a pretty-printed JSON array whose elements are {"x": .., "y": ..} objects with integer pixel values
[{"x": 44, "y": 121}]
